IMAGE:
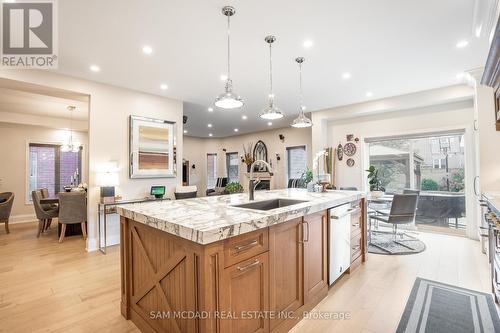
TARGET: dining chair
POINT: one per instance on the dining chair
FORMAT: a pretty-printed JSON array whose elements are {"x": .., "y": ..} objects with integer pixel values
[
  {"x": 185, "y": 192},
  {"x": 403, "y": 211},
  {"x": 72, "y": 210},
  {"x": 6, "y": 201},
  {"x": 44, "y": 216}
]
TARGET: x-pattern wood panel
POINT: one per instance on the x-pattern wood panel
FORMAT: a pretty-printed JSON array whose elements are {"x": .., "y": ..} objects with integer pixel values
[{"x": 153, "y": 283}]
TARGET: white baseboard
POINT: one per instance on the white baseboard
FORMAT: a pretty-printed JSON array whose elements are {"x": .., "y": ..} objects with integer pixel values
[{"x": 22, "y": 218}]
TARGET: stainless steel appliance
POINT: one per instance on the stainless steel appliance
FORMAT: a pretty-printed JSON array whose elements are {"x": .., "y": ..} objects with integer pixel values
[{"x": 339, "y": 241}]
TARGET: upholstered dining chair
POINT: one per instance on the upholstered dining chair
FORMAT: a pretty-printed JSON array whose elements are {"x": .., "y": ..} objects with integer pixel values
[
  {"x": 44, "y": 216},
  {"x": 72, "y": 210},
  {"x": 6, "y": 201},
  {"x": 185, "y": 192},
  {"x": 403, "y": 211}
]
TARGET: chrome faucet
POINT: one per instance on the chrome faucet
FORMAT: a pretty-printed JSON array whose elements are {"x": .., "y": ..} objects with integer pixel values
[{"x": 252, "y": 185}]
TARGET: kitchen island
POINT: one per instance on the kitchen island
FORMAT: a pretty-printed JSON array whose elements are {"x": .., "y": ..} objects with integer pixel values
[{"x": 207, "y": 265}]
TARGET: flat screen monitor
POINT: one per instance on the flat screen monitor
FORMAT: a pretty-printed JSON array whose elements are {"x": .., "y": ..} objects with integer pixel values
[{"x": 158, "y": 191}]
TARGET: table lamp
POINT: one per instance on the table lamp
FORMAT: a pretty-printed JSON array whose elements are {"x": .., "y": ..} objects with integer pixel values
[{"x": 107, "y": 181}]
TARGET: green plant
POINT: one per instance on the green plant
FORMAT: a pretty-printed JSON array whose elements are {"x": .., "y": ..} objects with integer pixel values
[
  {"x": 429, "y": 185},
  {"x": 234, "y": 187},
  {"x": 307, "y": 176},
  {"x": 373, "y": 180}
]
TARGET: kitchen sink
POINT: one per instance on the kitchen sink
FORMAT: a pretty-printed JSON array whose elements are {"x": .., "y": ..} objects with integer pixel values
[{"x": 270, "y": 204}]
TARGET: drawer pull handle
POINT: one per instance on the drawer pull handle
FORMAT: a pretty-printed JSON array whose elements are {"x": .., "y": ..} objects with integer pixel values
[
  {"x": 244, "y": 268},
  {"x": 241, "y": 248},
  {"x": 349, "y": 212}
]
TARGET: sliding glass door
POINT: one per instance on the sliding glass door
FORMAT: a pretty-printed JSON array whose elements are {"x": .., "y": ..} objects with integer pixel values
[{"x": 433, "y": 165}]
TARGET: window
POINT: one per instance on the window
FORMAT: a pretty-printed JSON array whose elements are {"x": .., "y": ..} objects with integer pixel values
[
  {"x": 53, "y": 169},
  {"x": 232, "y": 165},
  {"x": 211, "y": 170},
  {"x": 296, "y": 161}
]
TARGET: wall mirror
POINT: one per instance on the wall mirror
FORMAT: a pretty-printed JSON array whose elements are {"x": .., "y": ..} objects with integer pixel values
[{"x": 260, "y": 153}]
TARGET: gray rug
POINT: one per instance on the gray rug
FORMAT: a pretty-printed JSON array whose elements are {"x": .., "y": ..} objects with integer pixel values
[
  {"x": 435, "y": 307},
  {"x": 383, "y": 243}
]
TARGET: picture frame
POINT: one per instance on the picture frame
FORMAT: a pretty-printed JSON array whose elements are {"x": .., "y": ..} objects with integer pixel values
[{"x": 152, "y": 148}]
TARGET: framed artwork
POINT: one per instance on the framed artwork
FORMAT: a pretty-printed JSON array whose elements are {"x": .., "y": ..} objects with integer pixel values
[{"x": 152, "y": 148}]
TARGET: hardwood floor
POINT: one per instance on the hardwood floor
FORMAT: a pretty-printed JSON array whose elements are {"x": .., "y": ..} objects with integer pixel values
[{"x": 59, "y": 287}]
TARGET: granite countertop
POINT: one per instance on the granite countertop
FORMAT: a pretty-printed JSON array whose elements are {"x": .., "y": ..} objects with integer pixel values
[
  {"x": 210, "y": 219},
  {"x": 493, "y": 199}
]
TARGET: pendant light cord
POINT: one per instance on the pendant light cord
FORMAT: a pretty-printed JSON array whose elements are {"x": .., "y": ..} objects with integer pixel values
[
  {"x": 228, "y": 47},
  {"x": 301, "y": 94},
  {"x": 271, "y": 71}
]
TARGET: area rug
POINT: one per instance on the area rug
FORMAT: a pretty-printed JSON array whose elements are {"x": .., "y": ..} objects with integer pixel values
[
  {"x": 435, "y": 307},
  {"x": 383, "y": 243}
]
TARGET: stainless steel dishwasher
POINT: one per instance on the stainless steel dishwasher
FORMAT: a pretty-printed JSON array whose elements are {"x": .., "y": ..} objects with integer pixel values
[{"x": 339, "y": 241}]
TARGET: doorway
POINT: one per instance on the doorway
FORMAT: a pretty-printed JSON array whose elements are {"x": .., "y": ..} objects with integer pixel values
[{"x": 434, "y": 165}]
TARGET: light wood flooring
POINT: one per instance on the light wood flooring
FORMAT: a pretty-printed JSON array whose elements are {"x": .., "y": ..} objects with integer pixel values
[{"x": 50, "y": 287}]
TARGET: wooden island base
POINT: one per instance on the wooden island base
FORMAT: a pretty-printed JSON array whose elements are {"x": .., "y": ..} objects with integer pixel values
[{"x": 260, "y": 281}]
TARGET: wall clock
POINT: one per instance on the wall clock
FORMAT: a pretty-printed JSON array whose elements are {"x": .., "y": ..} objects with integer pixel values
[{"x": 349, "y": 149}]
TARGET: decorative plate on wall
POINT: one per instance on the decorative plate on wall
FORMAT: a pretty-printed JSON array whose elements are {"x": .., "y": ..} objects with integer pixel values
[
  {"x": 350, "y": 162},
  {"x": 350, "y": 149},
  {"x": 340, "y": 152}
]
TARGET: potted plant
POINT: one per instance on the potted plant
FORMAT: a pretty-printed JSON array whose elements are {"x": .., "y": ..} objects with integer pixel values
[
  {"x": 307, "y": 178},
  {"x": 234, "y": 187},
  {"x": 247, "y": 157},
  {"x": 376, "y": 189}
]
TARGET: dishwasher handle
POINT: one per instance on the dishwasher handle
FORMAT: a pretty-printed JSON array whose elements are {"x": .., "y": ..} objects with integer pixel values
[{"x": 349, "y": 212}]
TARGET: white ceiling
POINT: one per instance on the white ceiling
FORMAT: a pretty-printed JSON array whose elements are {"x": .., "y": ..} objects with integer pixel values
[
  {"x": 390, "y": 47},
  {"x": 18, "y": 101}
]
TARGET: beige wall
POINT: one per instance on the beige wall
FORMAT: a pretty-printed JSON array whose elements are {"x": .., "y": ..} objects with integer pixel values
[
  {"x": 196, "y": 150},
  {"x": 110, "y": 108},
  {"x": 14, "y": 165}
]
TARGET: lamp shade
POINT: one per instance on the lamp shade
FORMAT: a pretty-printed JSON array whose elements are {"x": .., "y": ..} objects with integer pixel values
[{"x": 107, "y": 179}]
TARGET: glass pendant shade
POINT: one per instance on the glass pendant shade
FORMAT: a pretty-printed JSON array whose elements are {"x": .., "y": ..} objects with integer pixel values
[
  {"x": 228, "y": 100},
  {"x": 271, "y": 112},
  {"x": 301, "y": 121}
]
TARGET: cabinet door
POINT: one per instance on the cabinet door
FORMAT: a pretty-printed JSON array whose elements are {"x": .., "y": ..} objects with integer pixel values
[
  {"x": 315, "y": 254},
  {"x": 244, "y": 293},
  {"x": 286, "y": 268}
]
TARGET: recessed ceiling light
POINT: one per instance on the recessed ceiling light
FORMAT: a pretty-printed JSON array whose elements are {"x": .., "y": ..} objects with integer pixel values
[
  {"x": 185, "y": 131},
  {"x": 163, "y": 86},
  {"x": 269, "y": 124},
  {"x": 346, "y": 75},
  {"x": 95, "y": 68},
  {"x": 209, "y": 125},
  {"x": 236, "y": 130},
  {"x": 223, "y": 77},
  {"x": 210, "y": 109},
  {"x": 244, "y": 117},
  {"x": 462, "y": 43},
  {"x": 209, "y": 134},
  {"x": 308, "y": 43},
  {"x": 369, "y": 94},
  {"x": 147, "y": 49}
]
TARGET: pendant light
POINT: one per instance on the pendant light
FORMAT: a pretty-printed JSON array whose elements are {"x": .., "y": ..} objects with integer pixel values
[
  {"x": 271, "y": 111},
  {"x": 301, "y": 121},
  {"x": 228, "y": 99},
  {"x": 71, "y": 146}
]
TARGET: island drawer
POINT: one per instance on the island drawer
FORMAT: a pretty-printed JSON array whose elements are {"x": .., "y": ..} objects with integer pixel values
[{"x": 243, "y": 247}]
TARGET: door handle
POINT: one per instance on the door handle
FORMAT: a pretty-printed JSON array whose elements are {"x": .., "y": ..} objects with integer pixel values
[
  {"x": 349, "y": 212},
  {"x": 307, "y": 228}
]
